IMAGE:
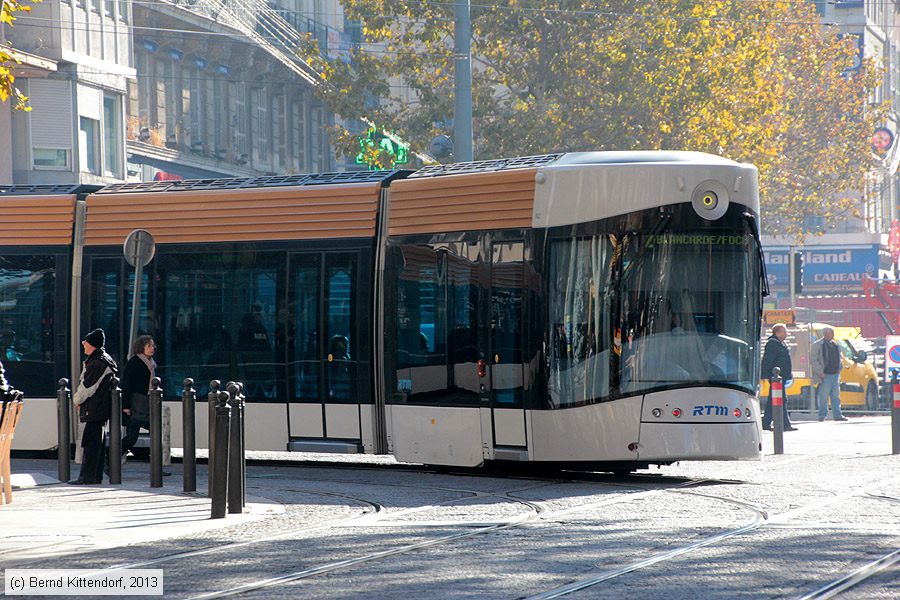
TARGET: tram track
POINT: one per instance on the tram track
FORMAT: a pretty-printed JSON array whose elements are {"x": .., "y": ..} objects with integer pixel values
[
  {"x": 538, "y": 513},
  {"x": 854, "y": 578},
  {"x": 754, "y": 524}
]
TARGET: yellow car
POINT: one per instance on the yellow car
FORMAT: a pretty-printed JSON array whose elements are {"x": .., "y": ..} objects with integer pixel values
[{"x": 859, "y": 380}]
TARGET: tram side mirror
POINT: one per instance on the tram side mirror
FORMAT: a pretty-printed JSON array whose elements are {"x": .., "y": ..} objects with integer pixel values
[{"x": 862, "y": 356}]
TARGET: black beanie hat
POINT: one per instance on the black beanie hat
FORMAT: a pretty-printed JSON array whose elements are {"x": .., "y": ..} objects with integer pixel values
[{"x": 96, "y": 338}]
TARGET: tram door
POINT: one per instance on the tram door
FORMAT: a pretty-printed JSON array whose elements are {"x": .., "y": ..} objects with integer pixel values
[
  {"x": 322, "y": 306},
  {"x": 507, "y": 376}
]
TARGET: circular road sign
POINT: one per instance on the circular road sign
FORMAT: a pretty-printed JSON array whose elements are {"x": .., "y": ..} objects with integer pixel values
[
  {"x": 139, "y": 247},
  {"x": 894, "y": 354}
]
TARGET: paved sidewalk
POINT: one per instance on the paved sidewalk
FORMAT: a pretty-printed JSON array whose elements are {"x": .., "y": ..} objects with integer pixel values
[{"x": 47, "y": 517}]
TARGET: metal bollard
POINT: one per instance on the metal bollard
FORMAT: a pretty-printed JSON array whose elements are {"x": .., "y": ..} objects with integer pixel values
[
  {"x": 211, "y": 399},
  {"x": 219, "y": 464},
  {"x": 189, "y": 460},
  {"x": 235, "y": 452},
  {"x": 895, "y": 418},
  {"x": 776, "y": 392},
  {"x": 115, "y": 434},
  {"x": 241, "y": 405},
  {"x": 63, "y": 425},
  {"x": 155, "y": 434}
]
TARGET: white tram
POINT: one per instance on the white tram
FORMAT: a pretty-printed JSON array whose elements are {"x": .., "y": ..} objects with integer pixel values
[{"x": 592, "y": 309}]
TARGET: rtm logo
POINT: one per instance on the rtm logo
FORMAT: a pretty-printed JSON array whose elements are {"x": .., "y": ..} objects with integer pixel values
[{"x": 710, "y": 410}]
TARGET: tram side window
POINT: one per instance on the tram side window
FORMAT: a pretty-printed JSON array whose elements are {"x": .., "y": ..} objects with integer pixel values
[
  {"x": 27, "y": 289},
  {"x": 582, "y": 344},
  {"x": 220, "y": 324},
  {"x": 437, "y": 344},
  {"x": 421, "y": 327},
  {"x": 106, "y": 305}
]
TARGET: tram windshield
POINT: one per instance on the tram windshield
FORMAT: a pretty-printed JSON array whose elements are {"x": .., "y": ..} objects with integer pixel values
[{"x": 662, "y": 308}]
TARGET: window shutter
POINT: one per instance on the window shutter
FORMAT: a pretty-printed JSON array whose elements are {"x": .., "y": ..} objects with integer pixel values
[
  {"x": 51, "y": 114},
  {"x": 90, "y": 102}
]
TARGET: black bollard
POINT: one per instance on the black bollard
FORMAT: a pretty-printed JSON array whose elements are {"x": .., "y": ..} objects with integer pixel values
[
  {"x": 219, "y": 464},
  {"x": 211, "y": 399},
  {"x": 115, "y": 434},
  {"x": 776, "y": 392},
  {"x": 235, "y": 452},
  {"x": 156, "y": 434},
  {"x": 189, "y": 460},
  {"x": 242, "y": 401},
  {"x": 63, "y": 425},
  {"x": 895, "y": 418}
]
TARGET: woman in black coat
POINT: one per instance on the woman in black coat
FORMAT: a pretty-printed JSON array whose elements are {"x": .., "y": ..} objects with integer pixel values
[
  {"x": 139, "y": 370},
  {"x": 94, "y": 401}
]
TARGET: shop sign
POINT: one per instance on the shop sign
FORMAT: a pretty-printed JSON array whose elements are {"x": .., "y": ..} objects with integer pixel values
[{"x": 824, "y": 268}]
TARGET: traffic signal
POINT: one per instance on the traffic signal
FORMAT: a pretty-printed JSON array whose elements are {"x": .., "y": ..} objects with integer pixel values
[{"x": 797, "y": 273}]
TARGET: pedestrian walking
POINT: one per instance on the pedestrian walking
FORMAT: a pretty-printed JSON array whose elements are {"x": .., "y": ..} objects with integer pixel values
[
  {"x": 139, "y": 370},
  {"x": 776, "y": 354},
  {"x": 825, "y": 363},
  {"x": 93, "y": 398}
]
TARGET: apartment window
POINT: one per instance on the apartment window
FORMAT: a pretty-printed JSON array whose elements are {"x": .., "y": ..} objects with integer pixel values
[
  {"x": 239, "y": 122},
  {"x": 260, "y": 126},
  {"x": 112, "y": 134},
  {"x": 89, "y": 145},
  {"x": 50, "y": 158},
  {"x": 279, "y": 162},
  {"x": 298, "y": 136},
  {"x": 109, "y": 7}
]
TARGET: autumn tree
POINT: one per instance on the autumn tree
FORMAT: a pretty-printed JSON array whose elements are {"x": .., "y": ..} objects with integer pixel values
[
  {"x": 8, "y": 10},
  {"x": 761, "y": 82}
]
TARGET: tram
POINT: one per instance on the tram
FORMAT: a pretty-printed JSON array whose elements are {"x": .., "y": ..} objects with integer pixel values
[{"x": 589, "y": 309}]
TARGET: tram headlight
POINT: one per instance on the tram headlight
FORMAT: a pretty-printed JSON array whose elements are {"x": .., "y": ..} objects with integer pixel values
[
  {"x": 737, "y": 413},
  {"x": 656, "y": 412},
  {"x": 710, "y": 199},
  {"x": 676, "y": 412}
]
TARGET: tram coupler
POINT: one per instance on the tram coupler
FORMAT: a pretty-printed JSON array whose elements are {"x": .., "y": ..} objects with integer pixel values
[
  {"x": 63, "y": 425},
  {"x": 188, "y": 430},
  {"x": 776, "y": 393},
  {"x": 115, "y": 434},
  {"x": 219, "y": 461},
  {"x": 895, "y": 417},
  {"x": 211, "y": 399},
  {"x": 156, "y": 453}
]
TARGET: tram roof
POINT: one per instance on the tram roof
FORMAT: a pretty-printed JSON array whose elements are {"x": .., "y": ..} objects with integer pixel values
[
  {"x": 574, "y": 159},
  {"x": 268, "y": 181},
  {"x": 47, "y": 189}
]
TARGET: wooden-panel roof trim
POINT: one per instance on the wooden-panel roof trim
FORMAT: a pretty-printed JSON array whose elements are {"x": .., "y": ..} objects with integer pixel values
[
  {"x": 37, "y": 220},
  {"x": 282, "y": 213},
  {"x": 464, "y": 202}
]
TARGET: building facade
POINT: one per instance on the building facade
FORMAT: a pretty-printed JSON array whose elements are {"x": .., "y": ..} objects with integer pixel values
[
  {"x": 124, "y": 91},
  {"x": 222, "y": 93},
  {"x": 74, "y": 132}
]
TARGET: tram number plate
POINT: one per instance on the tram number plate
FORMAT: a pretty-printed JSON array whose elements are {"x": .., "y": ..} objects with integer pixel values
[{"x": 404, "y": 385}]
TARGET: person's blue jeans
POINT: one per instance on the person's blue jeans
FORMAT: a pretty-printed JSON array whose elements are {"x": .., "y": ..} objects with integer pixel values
[{"x": 830, "y": 387}]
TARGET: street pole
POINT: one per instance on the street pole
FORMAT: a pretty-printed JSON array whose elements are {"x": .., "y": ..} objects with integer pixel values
[
  {"x": 462, "y": 58},
  {"x": 791, "y": 265},
  {"x": 135, "y": 302}
]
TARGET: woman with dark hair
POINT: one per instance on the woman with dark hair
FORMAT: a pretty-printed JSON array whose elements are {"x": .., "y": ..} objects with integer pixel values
[{"x": 139, "y": 370}]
